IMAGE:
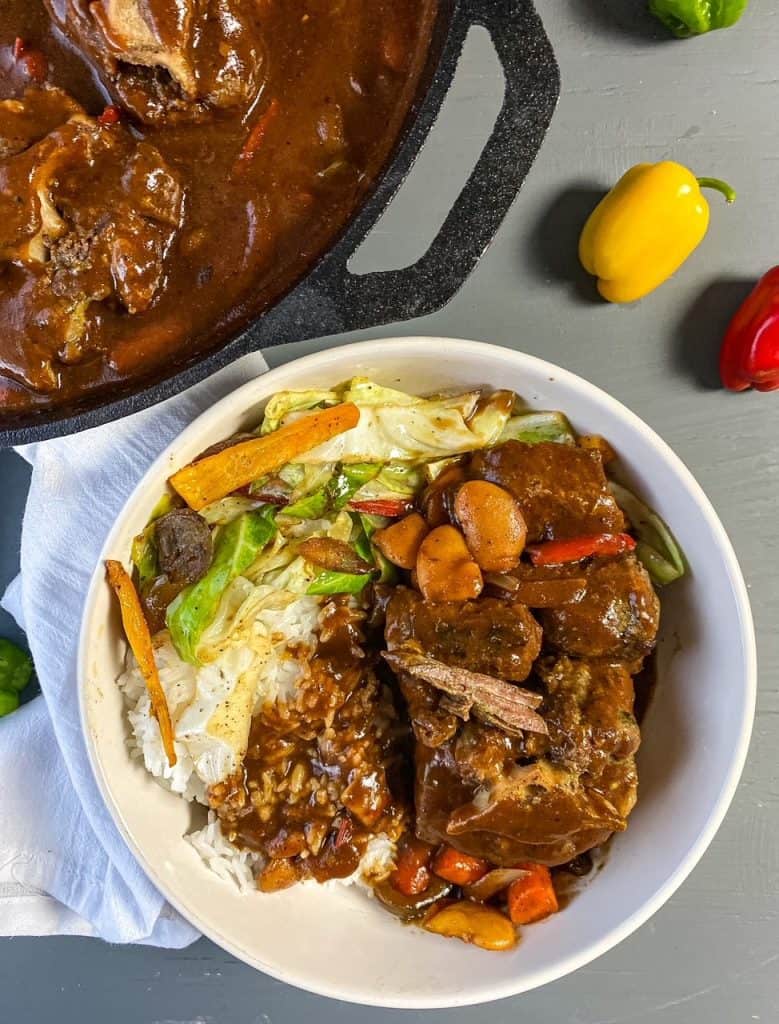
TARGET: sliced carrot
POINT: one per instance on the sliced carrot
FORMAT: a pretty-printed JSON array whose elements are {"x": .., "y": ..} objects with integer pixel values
[
  {"x": 459, "y": 868},
  {"x": 220, "y": 474},
  {"x": 412, "y": 874},
  {"x": 139, "y": 639},
  {"x": 532, "y": 898}
]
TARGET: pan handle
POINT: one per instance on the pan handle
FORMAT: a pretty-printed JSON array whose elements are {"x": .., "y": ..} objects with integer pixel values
[{"x": 332, "y": 299}]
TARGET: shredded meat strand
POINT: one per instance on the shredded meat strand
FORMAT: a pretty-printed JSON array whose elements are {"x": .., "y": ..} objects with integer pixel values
[{"x": 508, "y": 707}]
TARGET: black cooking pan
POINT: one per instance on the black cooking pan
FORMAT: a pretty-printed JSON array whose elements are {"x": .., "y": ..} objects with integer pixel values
[{"x": 329, "y": 299}]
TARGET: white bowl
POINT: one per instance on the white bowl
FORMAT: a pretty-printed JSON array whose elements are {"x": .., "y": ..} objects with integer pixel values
[{"x": 336, "y": 941}]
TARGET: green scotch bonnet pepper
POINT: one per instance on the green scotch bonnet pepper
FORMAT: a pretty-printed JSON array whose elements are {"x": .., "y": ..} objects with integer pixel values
[
  {"x": 15, "y": 673},
  {"x": 687, "y": 18}
]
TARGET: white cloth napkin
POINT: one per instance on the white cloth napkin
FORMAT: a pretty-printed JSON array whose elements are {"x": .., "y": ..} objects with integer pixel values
[{"x": 64, "y": 868}]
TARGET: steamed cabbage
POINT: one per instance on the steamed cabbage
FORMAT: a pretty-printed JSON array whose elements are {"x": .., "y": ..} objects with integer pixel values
[
  {"x": 237, "y": 546},
  {"x": 285, "y": 402},
  {"x": 362, "y": 391},
  {"x": 427, "y": 429}
]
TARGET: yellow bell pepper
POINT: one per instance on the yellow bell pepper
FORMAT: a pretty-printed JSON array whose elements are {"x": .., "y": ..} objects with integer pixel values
[{"x": 645, "y": 228}]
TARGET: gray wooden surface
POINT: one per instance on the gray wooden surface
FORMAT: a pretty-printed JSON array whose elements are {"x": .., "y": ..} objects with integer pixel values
[{"x": 710, "y": 956}]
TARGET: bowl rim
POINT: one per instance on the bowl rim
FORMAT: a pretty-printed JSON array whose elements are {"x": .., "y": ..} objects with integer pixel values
[{"x": 495, "y": 354}]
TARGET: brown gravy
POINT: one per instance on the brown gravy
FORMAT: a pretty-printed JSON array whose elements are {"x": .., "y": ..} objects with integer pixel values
[{"x": 339, "y": 80}]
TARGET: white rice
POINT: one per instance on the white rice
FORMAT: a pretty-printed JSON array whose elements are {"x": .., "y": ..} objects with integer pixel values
[
  {"x": 146, "y": 742},
  {"x": 223, "y": 857},
  {"x": 294, "y": 625},
  {"x": 240, "y": 867}
]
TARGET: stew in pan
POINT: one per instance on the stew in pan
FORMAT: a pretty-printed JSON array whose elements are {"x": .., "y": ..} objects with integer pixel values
[{"x": 168, "y": 168}]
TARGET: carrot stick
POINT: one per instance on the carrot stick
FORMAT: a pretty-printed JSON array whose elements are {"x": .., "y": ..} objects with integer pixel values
[
  {"x": 532, "y": 897},
  {"x": 139, "y": 639},
  {"x": 458, "y": 868},
  {"x": 218, "y": 475}
]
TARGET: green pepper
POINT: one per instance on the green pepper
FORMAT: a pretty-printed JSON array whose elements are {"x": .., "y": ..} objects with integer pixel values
[
  {"x": 687, "y": 18},
  {"x": 339, "y": 583},
  {"x": 537, "y": 427},
  {"x": 370, "y": 524},
  {"x": 336, "y": 493},
  {"x": 657, "y": 549},
  {"x": 15, "y": 667},
  {"x": 144, "y": 550},
  {"x": 9, "y": 701},
  {"x": 144, "y": 554}
]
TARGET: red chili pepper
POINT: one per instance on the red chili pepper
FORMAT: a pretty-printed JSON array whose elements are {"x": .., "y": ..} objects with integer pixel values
[
  {"x": 750, "y": 352},
  {"x": 255, "y": 137},
  {"x": 390, "y": 507},
  {"x": 33, "y": 62},
  {"x": 111, "y": 115},
  {"x": 558, "y": 552}
]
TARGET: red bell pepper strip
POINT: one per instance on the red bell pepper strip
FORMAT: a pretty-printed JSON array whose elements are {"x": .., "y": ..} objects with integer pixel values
[
  {"x": 111, "y": 115},
  {"x": 558, "y": 552},
  {"x": 257, "y": 134},
  {"x": 390, "y": 507},
  {"x": 750, "y": 352}
]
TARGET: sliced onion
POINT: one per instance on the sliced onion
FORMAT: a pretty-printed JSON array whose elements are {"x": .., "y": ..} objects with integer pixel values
[
  {"x": 552, "y": 593},
  {"x": 660, "y": 554},
  {"x": 502, "y": 580},
  {"x": 272, "y": 492},
  {"x": 334, "y": 555},
  {"x": 493, "y": 882},
  {"x": 535, "y": 427}
]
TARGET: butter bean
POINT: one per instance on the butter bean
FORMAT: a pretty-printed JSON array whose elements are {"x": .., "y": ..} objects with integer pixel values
[
  {"x": 445, "y": 569},
  {"x": 494, "y": 528},
  {"x": 476, "y": 923}
]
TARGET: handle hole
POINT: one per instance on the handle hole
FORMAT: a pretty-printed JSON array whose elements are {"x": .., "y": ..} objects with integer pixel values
[{"x": 403, "y": 233}]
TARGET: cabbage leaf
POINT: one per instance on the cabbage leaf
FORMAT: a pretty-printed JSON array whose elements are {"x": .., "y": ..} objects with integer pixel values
[
  {"x": 285, "y": 402},
  {"x": 427, "y": 429},
  {"x": 237, "y": 545}
]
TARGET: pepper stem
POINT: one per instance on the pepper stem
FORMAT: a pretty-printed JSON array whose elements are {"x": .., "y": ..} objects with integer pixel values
[{"x": 721, "y": 186}]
